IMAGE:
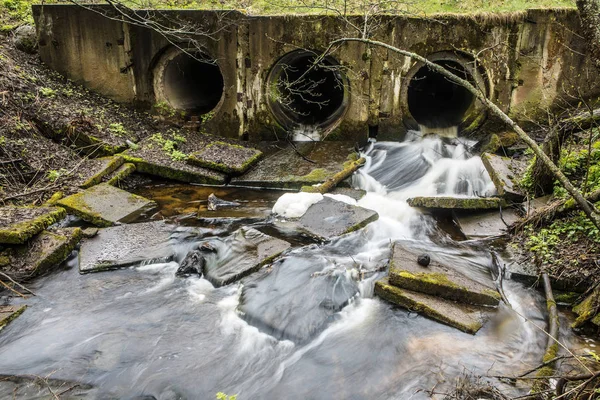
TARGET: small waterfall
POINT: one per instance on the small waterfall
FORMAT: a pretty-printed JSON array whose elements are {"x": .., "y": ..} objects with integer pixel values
[
  {"x": 306, "y": 133},
  {"x": 450, "y": 132}
]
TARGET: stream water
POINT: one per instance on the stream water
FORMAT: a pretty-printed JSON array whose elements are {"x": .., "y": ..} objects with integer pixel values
[{"x": 307, "y": 328}]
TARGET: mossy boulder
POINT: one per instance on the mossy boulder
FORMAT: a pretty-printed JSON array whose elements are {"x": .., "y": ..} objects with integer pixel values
[
  {"x": 40, "y": 254},
  {"x": 19, "y": 224},
  {"x": 462, "y": 203},
  {"x": 105, "y": 205},
  {"x": 9, "y": 313},
  {"x": 229, "y": 158},
  {"x": 438, "y": 280},
  {"x": 467, "y": 318}
]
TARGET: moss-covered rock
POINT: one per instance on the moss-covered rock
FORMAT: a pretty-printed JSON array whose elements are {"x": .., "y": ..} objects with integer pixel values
[
  {"x": 467, "y": 318},
  {"x": 98, "y": 168},
  {"x": 229, "y": 158},
  {"x": 463, "y": 203},
  {"x": 9, "y": 313},
  {"x": 505, "y": 173},
  {"x": 19, "y": 224},
  {"x": 115, "y": 178},
  {"x": 587, "y": 310}
]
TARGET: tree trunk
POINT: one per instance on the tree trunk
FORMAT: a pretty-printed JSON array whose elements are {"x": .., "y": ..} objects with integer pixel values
[{"x": 589, "y": 12}]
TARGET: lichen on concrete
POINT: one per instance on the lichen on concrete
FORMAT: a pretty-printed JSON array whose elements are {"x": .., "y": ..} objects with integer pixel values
[
  {"x": 9, "y": 313},
  {"x": 464, "y": 203},
  {"x": 19, "y": 224},
  {"x": 99, "y": 168},
  {"x": 229, "y": 158},
  {"x": 115, "y": 178}
]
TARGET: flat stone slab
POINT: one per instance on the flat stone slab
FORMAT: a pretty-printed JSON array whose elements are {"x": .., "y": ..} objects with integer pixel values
[
  {"x": 283, "y": 167},
  {"x": 126, "y": 245},
  {"x": 228, "y": 158},
  {"x": 464, "y": 203},
  {"x": 167, "y": 155},
  {"x": 505, "y": 172},
  {"x": 95, "y": 169},
  {"x": 19, "y": 224},
  {"x": 105, "y": 205},
  {"x": 9, "y": 313},
  {"x": 40, "y": 254},
  {"x": 330, "y": 218},
  {"x": 241, "y": 254},
  {"x": 117, "y": 176},
  {"x": 465, "y": 317},
  {"x": 438, "y": 280},
  {"x": 355, "y": 194},
  {"x": 486, "y": 224}
]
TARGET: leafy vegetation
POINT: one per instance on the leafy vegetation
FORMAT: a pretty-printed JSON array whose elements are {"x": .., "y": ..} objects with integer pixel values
[{"x": 170, "y": 146}]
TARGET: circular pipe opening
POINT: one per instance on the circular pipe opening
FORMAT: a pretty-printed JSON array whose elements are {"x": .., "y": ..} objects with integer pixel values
[
  {"x": 189, "y": 83},
  {"x": 302, "y": 94}
]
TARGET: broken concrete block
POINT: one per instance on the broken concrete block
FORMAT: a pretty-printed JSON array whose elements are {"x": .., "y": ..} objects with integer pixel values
[
  {"x": 105, "y": 205},
  {"x": 487, "y": 223},
  {"x": 464, "y": 203},
  {"x": 587, "y": 310},
  {"x": 126, "y": 245},
  {"x": 228, "y": 158},
  {"x": 243, "y": 253},
  {"x": 309, "y": 164},
  {"x": 465, "y": 317},
  {"x": 504, "y": 172},
  {"x": 19, "y": 224},
  {"x": 9, "y": 313},
  {"x": 94, "y": 169},
  {"x": 120, "y": 174},
  {"x": 330, "y": 218},
  {"x": 438, "y": 280},
  {"x": 40, "y": 254}
]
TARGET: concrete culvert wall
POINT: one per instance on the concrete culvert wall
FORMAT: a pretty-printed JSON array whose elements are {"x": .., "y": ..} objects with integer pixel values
[
  {"x": 189, "y": 83},
  {"x": 304, "y": 94}
]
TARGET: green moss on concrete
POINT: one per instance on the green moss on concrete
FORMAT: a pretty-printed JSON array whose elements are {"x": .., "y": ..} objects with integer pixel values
[
  {"x": 58, "y": 254},
  {"x": 197, "y": 158},
  {"x": 330, "y": 183},
  {"x": 12, "y": 316},
  {"x": 112, "y": 163},
  {"x": 77, "y": 206},
  {"x": 147, "y": 167},
  {"x": 566, "y": 297},
  {"x": 54, "y": 199},
  {"x": 587, "y": 309},
  {"x": 22, "y": 231},
  {"x": 546, "y": 371},
  {"x": 465, "y": 203},
  {"x": 124, "y": 171}
]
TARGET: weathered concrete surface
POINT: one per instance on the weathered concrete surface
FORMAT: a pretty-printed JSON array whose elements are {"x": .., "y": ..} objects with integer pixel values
[
  {"x": 19, "y": 224},
  {"x": 297, "y": 297},
  {"x": 355, "y": 194},
  {"x": 40, "y": 254},
  {"x": 464, "y": 203},
  {"x": 115, "y": 178},
  {"x": 330, "y": 218},
  {"x": 243, "y": 253},
  {"x": 95, "y": 169},
  {"x": 467, "y": 318},
  {"x": 9, "y": 313},
  {"x": 105, "y": 205},
  {"x": 126, "y": 245},
  {"x": 486, "y": 223},
  {"x": 438, "y": 280},
  {"x": 225, "y": 157},
  {"x": 505, "y": 172},
  {"x": 284, "y": 168}
]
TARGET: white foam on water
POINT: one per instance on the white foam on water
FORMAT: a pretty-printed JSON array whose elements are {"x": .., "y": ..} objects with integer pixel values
[{"x": 294, "y": 205}]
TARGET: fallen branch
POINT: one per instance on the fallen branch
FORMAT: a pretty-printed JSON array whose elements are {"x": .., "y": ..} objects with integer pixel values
[
  {"x": 333, "y": 181},
  {"x": 16, "y": 283}
]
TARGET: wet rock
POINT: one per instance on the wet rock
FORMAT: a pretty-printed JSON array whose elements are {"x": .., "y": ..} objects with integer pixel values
[
  {"x": 19, "y": 224},
  {"x": 423, "y": 260},
  {"x": 587, "y": 310},
  {"x": 487, "y": 223},
  {"x": 355, "y": 194},
  {"x": 95, "y": 169},
  {"x": 105, "y": 205},
  {"x": 40, "y": 254},
  {"x": 330, "y": 218},
  {"x": 285, "y": 168},
  {"x": 126, "y": 245},
  {"x": 9, "y": 313},
  {"x": 120, "y": 174},
  {"x": 214, "y": 203},
  {"x": 438, "y": 280},
  {"x": 296, "y": 298},
  {"x": 192, "y": 264},
  {"x": 505, "y": 172},
  {"x": 228, "y": 158},
  {"x": 25, "y": 39},
  {"x": 465, "y": 203},
  {"x": 241, "y": 254},
  {"x": 465, "y": 317},
  {"x": 89, "y": 232}
]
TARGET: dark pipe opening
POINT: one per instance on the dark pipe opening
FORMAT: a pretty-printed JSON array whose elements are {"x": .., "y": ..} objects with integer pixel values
[
  {"x": 193, "y": 85},
  {"x": 435, "y": 101},
  {"x": 306, "y": 94}
]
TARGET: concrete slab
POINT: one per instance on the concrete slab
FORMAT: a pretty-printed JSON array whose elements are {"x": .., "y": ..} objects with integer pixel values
[
  {"x": 126, "y": 245},
  {"x": 105, "y": 205},
  {"x": 284, "y": 168},
  {"x": 464, "y": 203},
  {"x": 19, "y": 224},
  {"x": 40, "y": 254},
  {"x": 116, "y": 177},
  {"x": 241, "y": 254},
  {"x": 330, "y": 218},
  {"x": 467, "y": 318},
  {"x": 505, "y": 173},
  {"x": 355, "y": 194},
  {"x": 228, "y": 158},
  {"x": 94, "y": 169},
  {"x": 438, "y": 280},
  {"x": 9, "y": 313},
  {"x": 487, "y": 223}
]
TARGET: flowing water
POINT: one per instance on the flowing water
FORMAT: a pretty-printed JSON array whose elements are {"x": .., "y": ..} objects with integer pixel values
[{"x": 306, "y": 328}]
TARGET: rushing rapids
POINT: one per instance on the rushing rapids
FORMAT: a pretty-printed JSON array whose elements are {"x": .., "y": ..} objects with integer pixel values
[{"x": 309, "y": 329}]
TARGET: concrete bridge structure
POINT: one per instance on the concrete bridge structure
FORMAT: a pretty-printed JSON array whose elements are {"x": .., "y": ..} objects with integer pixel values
[{"x": 527, "y": 62}]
